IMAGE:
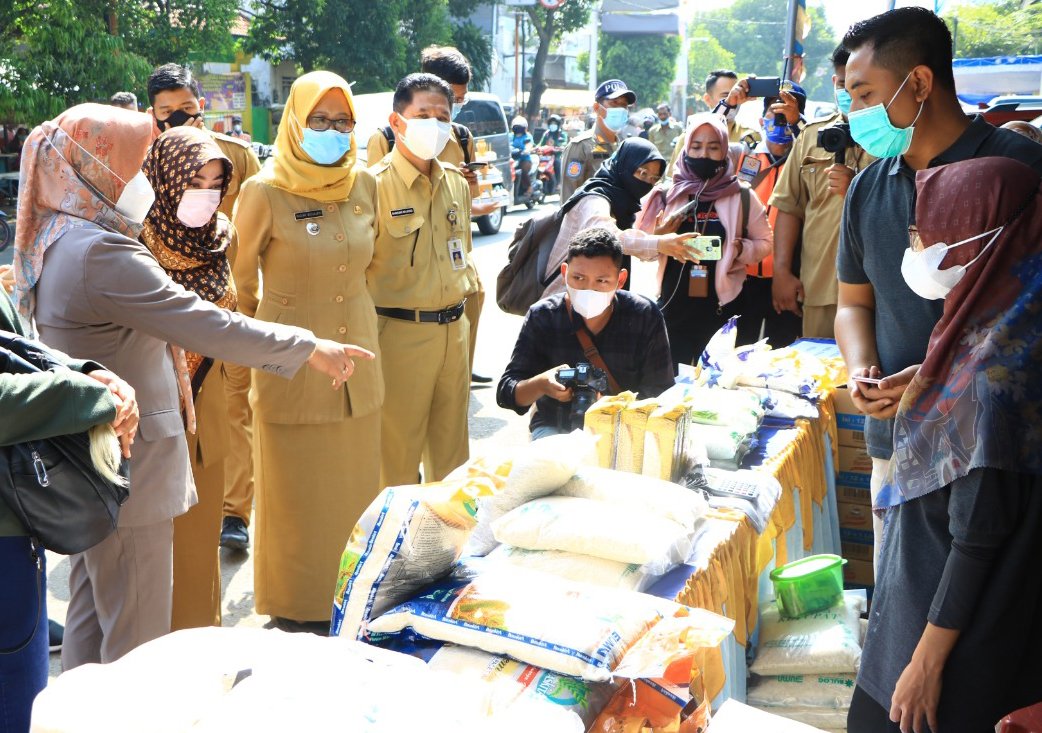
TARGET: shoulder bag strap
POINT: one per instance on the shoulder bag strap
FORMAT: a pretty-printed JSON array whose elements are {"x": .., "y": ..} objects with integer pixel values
[{"x": 590, "y": 349}]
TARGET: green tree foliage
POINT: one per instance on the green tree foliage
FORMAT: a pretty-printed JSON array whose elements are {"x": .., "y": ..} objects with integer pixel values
[
  {"x": 1007, "y": 28},
  {"x": 646, "y": 63},
  {"x": 477, "y": 47},
  {"x": 705, "y": 54},
  {"x": 57, "y": 54},
  {"x": 373, "y": 44},
  {"x": 754, "y": 31},
  {"x": 176, "y": 30},
  {"x": 549, "y": 26}
]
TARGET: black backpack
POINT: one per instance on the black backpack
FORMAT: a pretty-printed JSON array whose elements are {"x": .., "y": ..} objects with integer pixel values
[
  {"x": 521, "y": 282},
  {"x": 462, "y": 133}
]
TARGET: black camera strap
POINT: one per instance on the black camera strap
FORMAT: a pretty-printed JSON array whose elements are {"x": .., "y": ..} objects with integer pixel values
[{"x": 590, "y": 349}]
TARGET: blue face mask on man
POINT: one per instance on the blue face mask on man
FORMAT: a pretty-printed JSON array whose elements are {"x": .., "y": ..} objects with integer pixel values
[
  {"x": 843, "y": 101},
  {"x": 325, "y": 147},
  {"x": 777, "y": 134},
  {"x": 872, "y": 129},
  {"x": 615, "y": 118}
]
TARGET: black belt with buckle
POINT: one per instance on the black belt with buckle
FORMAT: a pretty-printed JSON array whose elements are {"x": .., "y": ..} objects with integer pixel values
[{"x": 448, "y": 315}]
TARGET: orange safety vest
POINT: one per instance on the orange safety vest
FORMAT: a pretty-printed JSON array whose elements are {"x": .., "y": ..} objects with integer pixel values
[{"x": 764, "y": 188}]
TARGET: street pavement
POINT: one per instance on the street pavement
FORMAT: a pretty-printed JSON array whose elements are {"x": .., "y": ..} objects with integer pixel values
[{"x": 491, "y": 427}]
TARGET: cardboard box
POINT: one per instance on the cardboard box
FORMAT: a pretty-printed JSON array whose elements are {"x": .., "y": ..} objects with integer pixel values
[
  {"x": 854, "y": 516},
  {"x": 855, "y": 550},
  {"x": 855, "y": 468},
  {"x": 849, "y": 420},
  {"x": 859, "y": 572},
  {"x": 852, "y": 495}
]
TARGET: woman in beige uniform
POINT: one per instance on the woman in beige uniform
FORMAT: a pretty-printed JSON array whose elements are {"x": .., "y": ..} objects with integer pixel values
[
  {"x": 306, "y": 223},
  {"x": 190, "y": 238}
]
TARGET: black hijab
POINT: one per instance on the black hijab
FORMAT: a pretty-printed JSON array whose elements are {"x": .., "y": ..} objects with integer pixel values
[{"x": 614, "y": 180}]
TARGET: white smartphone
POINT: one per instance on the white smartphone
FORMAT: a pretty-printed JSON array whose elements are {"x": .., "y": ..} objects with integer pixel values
[{"x": 869, "y": 380}]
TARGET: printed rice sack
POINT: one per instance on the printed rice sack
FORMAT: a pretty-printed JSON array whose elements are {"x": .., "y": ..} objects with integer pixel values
[
  {"x": 601, "y": 529},
  {"x": 409, "y": 536},
  {"x": 827, "y": 642},
  {"x": 569, "y": 628}
]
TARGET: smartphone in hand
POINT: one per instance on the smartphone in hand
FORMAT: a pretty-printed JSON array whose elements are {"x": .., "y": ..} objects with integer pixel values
[{"x": 764, "y": 86}]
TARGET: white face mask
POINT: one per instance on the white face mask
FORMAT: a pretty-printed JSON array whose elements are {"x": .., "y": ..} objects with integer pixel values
[
  {"x": 921, "y": 270},
  {"x": 590, "y": 303},
  {"x": 136, "y": 200},
  {"x": 198, "y": 206},
  {"x": 426, "y": 138}
]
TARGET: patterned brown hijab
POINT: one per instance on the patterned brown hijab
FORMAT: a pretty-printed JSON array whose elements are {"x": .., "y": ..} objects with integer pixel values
[{"x": 196, "y": 259}]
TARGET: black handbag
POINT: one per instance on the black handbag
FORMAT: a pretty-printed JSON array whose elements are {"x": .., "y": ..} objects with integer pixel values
[{"x": 51, "y": 484}]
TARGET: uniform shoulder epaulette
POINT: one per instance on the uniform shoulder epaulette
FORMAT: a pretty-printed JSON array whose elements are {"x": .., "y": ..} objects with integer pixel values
[{"x": 584, "y": 135}]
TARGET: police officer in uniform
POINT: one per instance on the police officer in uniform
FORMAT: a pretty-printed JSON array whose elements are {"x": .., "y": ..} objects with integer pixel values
[
  {"x": 448, "y": 64},
  {"x": 420, "y": 277},
  {"x": 587, "y": 150}
]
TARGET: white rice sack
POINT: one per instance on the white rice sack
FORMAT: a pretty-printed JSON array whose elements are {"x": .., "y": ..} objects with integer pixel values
[
  {"x": 570, "y": 566},
  {"x": 514, "y": 683},
  {"x": 725, "y": 446},
  {"x": 539, "y": 468},
  {"x": 796, "y": 690},
  {"x": 596, "y": 528},
  {"x": 409, "y": 536},
  {"x": 821, "y": 718},
  {"x": 827, "y": 642},
  {"x": 784, "y": 404},
  {"x": 568, "y": 628},
  {"x": 664, "y": 498},
  {"x": 736, "y": 409}
]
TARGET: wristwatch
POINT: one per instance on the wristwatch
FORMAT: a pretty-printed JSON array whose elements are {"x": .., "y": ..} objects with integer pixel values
[{"x": 722, "y": 103}]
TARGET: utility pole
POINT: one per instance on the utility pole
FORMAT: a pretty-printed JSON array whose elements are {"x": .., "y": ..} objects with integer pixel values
[
  {"x": 790, "y": 38},
  {"x": 517, "y": 58},
  {"x": 524, "y": 43},
  {"x": 595, "y": 32}
]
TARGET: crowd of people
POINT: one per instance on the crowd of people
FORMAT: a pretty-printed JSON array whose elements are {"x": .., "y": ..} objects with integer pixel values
[{"x": 290, "y": 340}]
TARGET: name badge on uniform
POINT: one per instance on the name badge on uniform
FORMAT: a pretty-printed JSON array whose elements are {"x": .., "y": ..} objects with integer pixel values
[
  {"x": 403, "y": 212},
  {"x": 750, "y": 168},
  {"x": 456, "y": 254},
  {"x": 313, "y": 214}
]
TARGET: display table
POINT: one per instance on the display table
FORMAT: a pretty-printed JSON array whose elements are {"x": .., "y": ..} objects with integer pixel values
[{"x": 731, "y": 562}]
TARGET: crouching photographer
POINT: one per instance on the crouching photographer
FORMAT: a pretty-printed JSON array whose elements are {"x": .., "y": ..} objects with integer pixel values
[{"x": 591, "y": 340}]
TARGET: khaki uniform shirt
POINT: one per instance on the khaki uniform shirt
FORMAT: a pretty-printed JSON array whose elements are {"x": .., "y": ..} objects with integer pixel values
[
  {"x": 313, "y": 257},
  {"x": 582, "y": 158},
  {"x": 664, "y": 137},
  {"x": 244, "y": 164},
  {"x": 419, "y": 223},
  {"x": 378, "y": 147},
  {"x": 803, "y": 191}
]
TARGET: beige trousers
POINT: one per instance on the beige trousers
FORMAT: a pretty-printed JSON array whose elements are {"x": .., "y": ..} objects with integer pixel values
[
  {"x": 238, "y": 477},
  {"x": 819, "y": 321},
  {"x": 426, "y": 369},
  {"x": 121, "y": 591}
]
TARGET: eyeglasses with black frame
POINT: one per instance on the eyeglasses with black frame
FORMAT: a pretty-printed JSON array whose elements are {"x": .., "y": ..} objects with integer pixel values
[{"x": 321, "y": 124}]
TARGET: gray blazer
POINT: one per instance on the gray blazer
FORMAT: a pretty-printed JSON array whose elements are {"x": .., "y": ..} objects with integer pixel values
[{"x": 104, "y": 297}]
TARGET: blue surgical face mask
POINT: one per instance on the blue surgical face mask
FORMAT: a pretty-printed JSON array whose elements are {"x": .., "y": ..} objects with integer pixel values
[
  {"x": 552, "y": 127},
  {"x": 779, "y": 135},
  {"x": 616, "y": 118},
  {"x": 843, "y": 101},
  {"x": 872, "y": 129},
  {"x": 456, "y": 107},
  {"x": 326, "y": 147}
]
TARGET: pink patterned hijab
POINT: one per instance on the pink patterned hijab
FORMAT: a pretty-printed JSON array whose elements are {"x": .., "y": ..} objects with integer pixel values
[{"x": 73, "y": 170}]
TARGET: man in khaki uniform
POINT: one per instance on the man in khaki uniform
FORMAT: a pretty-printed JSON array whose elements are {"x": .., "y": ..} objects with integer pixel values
[
  {"x": 452, "y": 67},
  {"x": 809, "y": 199},
  {"x": 175, "y": 99},
  {"x": 587, "y": 150},
  {"x": 419, "y": 279},
  {"x": 664, "y": 134}
]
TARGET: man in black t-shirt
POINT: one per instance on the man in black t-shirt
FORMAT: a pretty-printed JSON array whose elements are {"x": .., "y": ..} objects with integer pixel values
[{"x": 627, "y": 330}]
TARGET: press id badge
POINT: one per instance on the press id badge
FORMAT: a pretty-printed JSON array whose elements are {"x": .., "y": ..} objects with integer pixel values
[
  {"x": 456, "y": 254},
  {"x": 750, "y": 168},
  {"x": 698, "y": 282}
]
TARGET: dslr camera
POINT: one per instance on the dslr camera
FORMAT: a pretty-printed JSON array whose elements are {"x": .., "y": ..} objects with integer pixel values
[
  {"x": 587, "y": 383},
  {"x": 836, "y": 140}
]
